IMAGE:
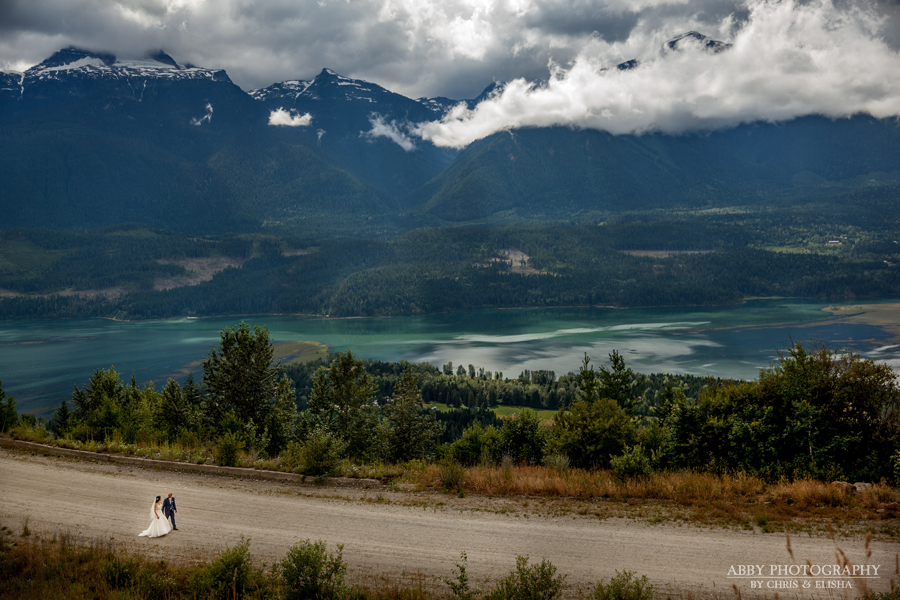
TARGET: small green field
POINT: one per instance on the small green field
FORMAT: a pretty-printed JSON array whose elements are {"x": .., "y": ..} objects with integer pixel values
[
  {"x": 502, "y": 411},
  {"x": 508, "y": 411},
  {"x": 296, "y": 352}
]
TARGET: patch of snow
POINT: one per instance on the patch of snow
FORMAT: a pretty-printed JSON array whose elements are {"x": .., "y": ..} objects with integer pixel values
[
  {"x": 293, "y": 87},
  {"x": 207, "y": 117},
  {"x": 82, "y": 62}
]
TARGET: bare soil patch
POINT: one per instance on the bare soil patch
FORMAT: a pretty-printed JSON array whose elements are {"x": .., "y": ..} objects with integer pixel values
[
  {"x": 199, "y": 270},
  {"x": 516, "y": 260}
]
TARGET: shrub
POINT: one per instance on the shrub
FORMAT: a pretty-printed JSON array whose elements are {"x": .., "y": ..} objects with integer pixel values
[
  {"x": 322, "y": 453},
  {"x": 27, "y": 430},
  {"x": 118, "y": 573},
  {"x": 589, "y": 433},
  {"x": 634, "y": 462},
  {"x": 292, "y": 455},
  {"x": 476, "y": 444},
  {"x": 523, "y": 437},
  {"x": 893, "y": 594},
  {"x": 189, "y": 440},
  {"x": 227, "y": 449},
  {"x": 535, "y": 582},
  {"x": 308, "y": 571},
  {"x": 150, "y": 584},
  {"x": 459, "y": 587},
  {"x": 229, "y": 575},
  {"x": 451, "y": 474},
  {"x": 557, "y": 462},
  {"x": 81, "y": 432},
  {"x": 624, "y": 586},
  {"x": 895, "y": 467}
]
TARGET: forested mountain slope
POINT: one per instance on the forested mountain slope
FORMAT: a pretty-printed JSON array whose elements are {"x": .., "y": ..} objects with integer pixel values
[
  {"x": 561, "y": 173},
  {"x": 88, "y": 141}
]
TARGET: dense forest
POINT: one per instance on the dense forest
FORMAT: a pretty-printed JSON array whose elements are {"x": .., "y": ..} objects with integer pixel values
[{"x": 845, "y": 248}]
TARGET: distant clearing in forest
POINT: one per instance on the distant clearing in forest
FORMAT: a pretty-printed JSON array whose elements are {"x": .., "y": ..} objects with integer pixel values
[
  {"x": 296, "y": 352},
  {"x": 662, "y": 253}
]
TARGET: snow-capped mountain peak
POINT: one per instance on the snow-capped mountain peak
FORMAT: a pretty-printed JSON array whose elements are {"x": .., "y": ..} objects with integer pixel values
[
  {"x": 692, "y": 38},
  {"x": 79, "y": 63},
  {"x": 681, "y": 42},
  {"x": 293, "y": 88}
]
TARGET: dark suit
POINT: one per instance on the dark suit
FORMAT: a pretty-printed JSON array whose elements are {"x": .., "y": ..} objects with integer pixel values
[{"x": 169, "y": 509}]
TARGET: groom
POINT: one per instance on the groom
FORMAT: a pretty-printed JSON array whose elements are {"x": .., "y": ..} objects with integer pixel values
[{"x": 169, "y": 509}]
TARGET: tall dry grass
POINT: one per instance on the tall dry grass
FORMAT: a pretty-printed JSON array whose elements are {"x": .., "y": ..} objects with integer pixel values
[
  {"x": 735, "y": 499},
  {"x": 682, "y": 487}
]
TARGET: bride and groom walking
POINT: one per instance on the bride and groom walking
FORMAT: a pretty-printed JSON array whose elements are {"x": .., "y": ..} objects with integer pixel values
[{"x": 159, "y": 524}]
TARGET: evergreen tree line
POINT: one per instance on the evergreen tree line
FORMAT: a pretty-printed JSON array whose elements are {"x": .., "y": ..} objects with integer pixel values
[{"x": 471, "y": 387}]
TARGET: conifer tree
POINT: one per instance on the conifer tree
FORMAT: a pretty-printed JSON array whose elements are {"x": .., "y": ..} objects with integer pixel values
[
  {"x": 409, "y": 430},
  {"x": 343, "y": 400},
  {"x": 8, "y": 415},
  {"x": 241, "y": 375}
]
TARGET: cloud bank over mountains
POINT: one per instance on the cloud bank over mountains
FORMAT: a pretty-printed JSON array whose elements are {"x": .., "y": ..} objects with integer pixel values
[{"x": 788, "y": 57}]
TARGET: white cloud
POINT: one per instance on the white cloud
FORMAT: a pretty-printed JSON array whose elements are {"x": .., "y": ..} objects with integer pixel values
[
  {"x": 788, "y": 59},
  {"x": 390, "y": 130},
  {"x": 290, "y": 118}
]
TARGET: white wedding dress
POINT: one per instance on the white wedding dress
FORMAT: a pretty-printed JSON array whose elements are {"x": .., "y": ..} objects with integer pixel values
[{"x": 158, "y": 527}]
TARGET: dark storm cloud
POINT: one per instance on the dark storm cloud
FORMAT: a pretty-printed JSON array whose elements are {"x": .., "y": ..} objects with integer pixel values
[
  {"x": 581, "y": 18},
  {"x": 449, "y": 47}
]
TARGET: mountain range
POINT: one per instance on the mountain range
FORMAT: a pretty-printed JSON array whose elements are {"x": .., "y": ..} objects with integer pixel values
[{"x": 89, "y": 140}]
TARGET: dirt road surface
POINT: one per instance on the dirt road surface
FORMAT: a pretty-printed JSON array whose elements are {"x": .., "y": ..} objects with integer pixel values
[{"x": 403, "y": 535}]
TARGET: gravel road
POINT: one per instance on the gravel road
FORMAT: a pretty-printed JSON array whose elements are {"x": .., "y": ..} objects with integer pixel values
[{"x": 403, "y": 535}]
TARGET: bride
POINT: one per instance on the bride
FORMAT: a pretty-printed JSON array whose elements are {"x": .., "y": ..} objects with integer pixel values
[{"x": 159, "y": 525}]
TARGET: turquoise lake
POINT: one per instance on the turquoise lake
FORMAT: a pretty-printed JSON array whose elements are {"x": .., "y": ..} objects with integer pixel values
[{"x": 41, "y": 361}]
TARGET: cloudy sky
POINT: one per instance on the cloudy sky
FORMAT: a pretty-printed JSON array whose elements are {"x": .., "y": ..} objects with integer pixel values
[{"x": 789, "y": 57}]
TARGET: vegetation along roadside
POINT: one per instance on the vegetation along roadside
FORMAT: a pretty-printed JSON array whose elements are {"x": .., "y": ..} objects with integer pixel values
[{"x": 774, "y": 453}]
